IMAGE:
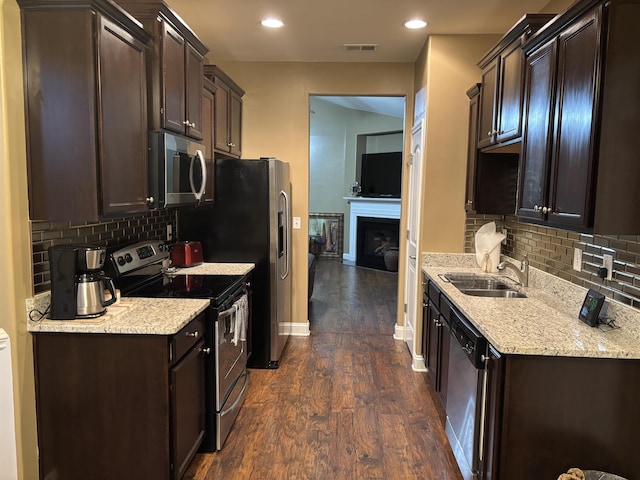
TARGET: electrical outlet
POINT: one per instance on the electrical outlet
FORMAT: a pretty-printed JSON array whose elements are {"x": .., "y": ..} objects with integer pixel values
[
  {"x": 296, "y": 223},
  {"x": 577, "y": 260},
  {"x": 504, "y": 232},
  {"x": 169, "y": 232},
  {"x": 607, "y": 262}
]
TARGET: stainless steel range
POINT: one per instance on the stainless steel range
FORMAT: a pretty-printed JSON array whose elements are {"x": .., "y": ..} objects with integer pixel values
[{"x": 142, "y": 270}]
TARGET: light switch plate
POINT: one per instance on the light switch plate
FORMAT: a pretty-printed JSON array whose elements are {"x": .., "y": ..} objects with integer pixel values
[
  {"x": 296, "y": 223},
  {"x": 169, "y": 232},
  {"x": 577, "y": 260}
]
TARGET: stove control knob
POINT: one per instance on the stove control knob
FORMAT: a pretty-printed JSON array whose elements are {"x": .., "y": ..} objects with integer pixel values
[
  {"x": 128, "y": 258},
  {"x": 121, "y": 260}
]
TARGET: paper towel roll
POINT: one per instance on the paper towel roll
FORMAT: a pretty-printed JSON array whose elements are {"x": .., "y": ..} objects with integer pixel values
[{"x": 488, "y": 245}]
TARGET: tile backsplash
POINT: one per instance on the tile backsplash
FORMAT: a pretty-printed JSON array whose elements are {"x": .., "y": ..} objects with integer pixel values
[
  {"x": 120, "y": 231},
  {"x": 551, "y": 250}
]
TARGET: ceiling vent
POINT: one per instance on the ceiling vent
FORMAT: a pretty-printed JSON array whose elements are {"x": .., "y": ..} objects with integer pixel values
[{"x": 360, "y": 47}]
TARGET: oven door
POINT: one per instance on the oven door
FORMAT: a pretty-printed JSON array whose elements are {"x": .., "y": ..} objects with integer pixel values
[{"x": 230, "y": 342}]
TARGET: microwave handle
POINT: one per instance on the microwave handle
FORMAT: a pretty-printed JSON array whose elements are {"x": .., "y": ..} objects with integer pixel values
[{"x": 198, "y": 194}]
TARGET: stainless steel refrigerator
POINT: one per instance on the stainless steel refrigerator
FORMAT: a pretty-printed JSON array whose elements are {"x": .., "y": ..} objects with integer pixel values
[{"x": 250, "y": 221}]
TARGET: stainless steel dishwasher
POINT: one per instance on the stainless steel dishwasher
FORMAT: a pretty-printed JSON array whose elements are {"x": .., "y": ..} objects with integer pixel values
[{"x": 466, "y": 394}]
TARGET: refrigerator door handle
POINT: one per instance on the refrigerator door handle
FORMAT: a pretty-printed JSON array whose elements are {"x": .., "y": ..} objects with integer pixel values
[
  {"x": 287, "y": 235},
  {"x": 198, "y": 194}
]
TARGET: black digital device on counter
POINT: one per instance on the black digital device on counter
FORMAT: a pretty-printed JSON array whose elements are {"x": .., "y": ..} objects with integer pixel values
[{"x": 590, "y": 310}]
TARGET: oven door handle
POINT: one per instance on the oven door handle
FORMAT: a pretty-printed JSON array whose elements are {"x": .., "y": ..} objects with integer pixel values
[
  {"x": 228, "y": 312},
  {"x": 240, "y": 397}
]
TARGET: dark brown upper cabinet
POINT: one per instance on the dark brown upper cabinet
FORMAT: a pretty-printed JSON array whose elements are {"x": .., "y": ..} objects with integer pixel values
[
  {"x": 86, "y": 110},
  {"x": 500, "y": 117},
  {"x": 174, "y": 69},
  {"x": 227, "y": 113},
  {"x": 492, "y": 177},
  {"x": 208, "y": 94},
  {"x": 579, "y": 167}
]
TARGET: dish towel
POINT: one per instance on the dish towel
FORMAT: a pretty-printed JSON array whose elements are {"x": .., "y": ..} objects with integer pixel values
[{"x": 240, "y": 318}]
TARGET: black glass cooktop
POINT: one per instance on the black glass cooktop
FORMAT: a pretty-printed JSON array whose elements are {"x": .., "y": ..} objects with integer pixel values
[{"x": 217, "y": 288}]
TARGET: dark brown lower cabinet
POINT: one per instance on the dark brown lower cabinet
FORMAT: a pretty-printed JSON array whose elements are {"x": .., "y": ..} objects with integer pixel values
[
  {"x": 548, "y": 414},
  {"x": 435, "y": 342},
  {"x": 119, "y": 406}
]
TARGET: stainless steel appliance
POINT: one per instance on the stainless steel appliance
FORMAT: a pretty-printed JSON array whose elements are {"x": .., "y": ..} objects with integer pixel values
[
  {"x": 177, "y": 170},
  {"x": 250, "y": 221},
  {"x": 78, "y": 282},
  {"x": 139, "y": 270},
  {"x": 466, "y": 393}
]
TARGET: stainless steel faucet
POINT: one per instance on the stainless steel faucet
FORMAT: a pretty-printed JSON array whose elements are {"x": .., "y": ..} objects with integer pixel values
[{"x": 522, "y": 272}]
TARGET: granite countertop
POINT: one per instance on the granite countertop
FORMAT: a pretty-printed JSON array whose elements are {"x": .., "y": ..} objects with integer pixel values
[
  {"x": 544, "y": 323},
  {"x": 133, "y": 315},
  {"x": 216, "y": 269}
]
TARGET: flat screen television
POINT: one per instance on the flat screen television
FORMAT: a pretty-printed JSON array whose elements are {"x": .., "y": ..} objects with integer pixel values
[{"x": 381, "y": 175}]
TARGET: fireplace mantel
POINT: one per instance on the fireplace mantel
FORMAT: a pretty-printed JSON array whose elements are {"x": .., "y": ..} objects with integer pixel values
[{"x": 368, "y": 207}]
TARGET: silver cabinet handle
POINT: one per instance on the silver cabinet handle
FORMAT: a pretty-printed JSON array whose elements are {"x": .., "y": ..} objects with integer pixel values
[
  {"x": 546, "y": 210},
  {"x": 536, "y": 208},
  {"x": 206, "y": 350},
  {"x": 412, "y": 257},
  {"x": 150, "y": 201},
  {"x": 484, "y": 358},
  {"x": 192, "y": 334}
]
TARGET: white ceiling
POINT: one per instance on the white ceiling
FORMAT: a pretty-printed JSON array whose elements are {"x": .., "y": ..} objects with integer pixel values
[
  {"x": 392, "y": 106},
  {"x": 315, "y": 31}
]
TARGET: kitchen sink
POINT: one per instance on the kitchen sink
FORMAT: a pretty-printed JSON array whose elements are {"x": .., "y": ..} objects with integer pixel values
[
  {"x": 493, "y": 293},
  {"x": 483, "y": 285}
]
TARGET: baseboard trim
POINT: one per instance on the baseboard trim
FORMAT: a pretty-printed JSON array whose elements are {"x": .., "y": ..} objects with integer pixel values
[
  {"x": 299, "y": 329},
  {"x": 418, "y": 364},
  {"x": 398, "y": 332}
]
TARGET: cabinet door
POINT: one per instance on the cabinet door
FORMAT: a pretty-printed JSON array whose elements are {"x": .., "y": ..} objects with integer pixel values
[
  {"x": 235, "y": 124},
  {"x": 187, "y": 408},
  {"x": 509, "y": 119},
  {"x": 540, "y": 70},
  {"x": 195, "y": 80},
  {"x": 493, "y": 417},
  {"x": 123, "y": 145},
  {"x": 207, "y": 140},
  {"x": 472, "y": 148},
  {"x": 433, "y": 345},
  {"x": 174, "y": 83},
  {"x": 488, "y": 102},
  {"x": 572, "y": 168},
  {"x": 221, "y": 116}
]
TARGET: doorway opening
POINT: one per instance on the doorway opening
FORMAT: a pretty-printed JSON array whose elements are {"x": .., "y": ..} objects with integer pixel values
[{"x": 342, "y": 131}]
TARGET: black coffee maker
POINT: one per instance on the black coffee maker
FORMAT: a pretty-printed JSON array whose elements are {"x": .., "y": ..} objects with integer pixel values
[{"x": 78, "y": 282}]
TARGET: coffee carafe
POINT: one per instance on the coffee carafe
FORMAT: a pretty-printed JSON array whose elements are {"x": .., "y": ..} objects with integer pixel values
[{"x": 78, "y": 282}]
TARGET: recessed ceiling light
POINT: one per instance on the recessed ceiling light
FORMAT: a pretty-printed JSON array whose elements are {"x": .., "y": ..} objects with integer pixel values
[
  {"x": 272, "y": 23},
  {"x": 414, "y": 24}
]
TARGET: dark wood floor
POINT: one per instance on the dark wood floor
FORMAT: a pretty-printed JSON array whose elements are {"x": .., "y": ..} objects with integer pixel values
[{"x": 344, "y": 403}]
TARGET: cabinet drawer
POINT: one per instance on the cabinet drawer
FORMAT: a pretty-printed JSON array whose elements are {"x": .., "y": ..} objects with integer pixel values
[
  {"x": 434, "y": 295},
  {"x": 182, "y": 341}
]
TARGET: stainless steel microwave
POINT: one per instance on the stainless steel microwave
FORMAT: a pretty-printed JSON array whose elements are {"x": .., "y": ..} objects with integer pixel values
[{"x": 177, "y": 170}]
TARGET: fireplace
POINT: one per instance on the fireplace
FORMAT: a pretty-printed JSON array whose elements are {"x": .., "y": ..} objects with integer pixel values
[{"x": 375, "y": 236}]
